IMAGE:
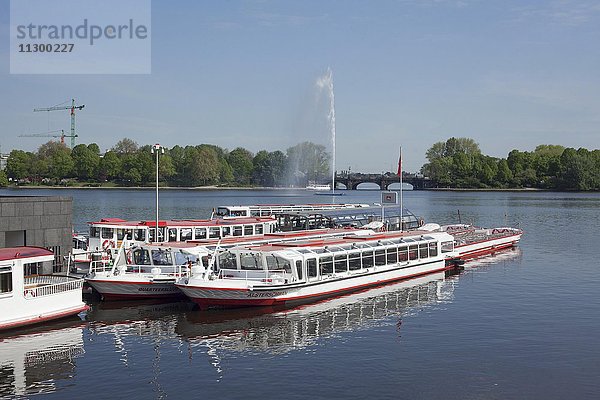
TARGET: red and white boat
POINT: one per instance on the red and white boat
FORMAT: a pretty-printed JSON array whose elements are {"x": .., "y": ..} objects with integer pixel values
[
  {"x": 149, "y": 271},
  {"x": 471, "y": 241},
  {"x": 304, "y": 271},
  {"x": 26, "y": 297}
]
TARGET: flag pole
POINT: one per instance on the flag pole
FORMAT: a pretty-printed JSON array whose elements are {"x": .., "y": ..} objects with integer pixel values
[{"x": 401, "y": 205}]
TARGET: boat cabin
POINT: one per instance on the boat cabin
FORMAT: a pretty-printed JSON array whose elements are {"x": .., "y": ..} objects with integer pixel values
[
  {"x": 265, "y": 210},
  {"x": 318, "y": 259},
  {"x": 27, "y": 296},
  {"x": 109, "y": 233}
]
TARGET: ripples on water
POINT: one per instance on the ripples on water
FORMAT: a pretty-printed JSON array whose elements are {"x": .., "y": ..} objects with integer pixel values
[{"x": 522, "y": 324}]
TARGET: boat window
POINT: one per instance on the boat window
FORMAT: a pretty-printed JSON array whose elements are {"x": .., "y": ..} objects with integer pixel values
[
  {"x": 107, "y": 233},
  {"x": 367, "y": 259},
  {"x": 326, "y": 265},
  {"x": 184, "y": 258},
  {"x": 447, "y": 247},
  {"x": 433, "y": 250},
  {"x": 341, "y": 263},
  {"x": 226, "y": 231},
  {"x": 278, "y": 263},
  {"x": 161, "y": 257},
  {"x": 258, "y": 229},
  {"x": 412, "y": 252},
  {"x": 140, "y": 235},
  {"x": 172, "y": 235},
  {"x": 214, "y": 232},
  {"x": 402, "y": 253},
  {"x": 237, "y": 230},
  {"x": 248, "y": 230},
  {"x": 141, "y": 257},
  {"x": 31, "y": 269},
  {"x": 250, "y": 261},
  {"x": 354, "y": 261},
  {"x": 200, "y": 233},
  {"x": 392, "y": 255},
  {"x": 6, "y": 279},
  {"x": 423, "y": 250},
  {"x": 222, "y": 212},
  {"x": 227, "y": 260},
  {"x": 311, "y": 267},
  {"x": 299, "y": 269},
  {"x": 380, "y": 257},
  {"x": 94, "y": 232},
  {"x": 120, "y": 234},
  {"x": 185, "y": 234}
]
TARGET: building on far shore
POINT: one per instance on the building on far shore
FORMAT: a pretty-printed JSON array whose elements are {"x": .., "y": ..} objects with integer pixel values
[
  {"x": 3, "y": 161},
  {"x": 44, "y": 221}
]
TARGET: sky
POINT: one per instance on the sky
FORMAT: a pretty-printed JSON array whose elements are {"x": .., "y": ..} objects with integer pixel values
[{"x": 509, "y": 74}]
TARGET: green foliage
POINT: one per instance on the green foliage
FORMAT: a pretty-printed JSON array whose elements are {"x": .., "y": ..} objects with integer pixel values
[
  {"x": 19, "y": 164},
  {"x": 459, "y": 163},
  {"x": 3, "y": 179},
  {"x": 308, "y": 162},
  {"x": 86, "y": 161},
  {"x": 240, "y": 161}
]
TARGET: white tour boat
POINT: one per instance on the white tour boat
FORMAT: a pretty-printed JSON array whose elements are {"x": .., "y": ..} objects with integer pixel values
[
  {"x": 29, "y": 298},
  {"x": 303, "y": 271},
  {"x": 318, "y": 187},
  {"x": 150, "y": 270},
  {"x": 109, "y": 233},
  {"x": 265, "y": 210},
  {"x": 471, "y": 241}
]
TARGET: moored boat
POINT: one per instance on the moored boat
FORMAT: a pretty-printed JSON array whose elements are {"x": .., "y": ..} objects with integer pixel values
[
  {"x": 471, "y": 241},
  {"x": 27, "y": 297},
  {"x": 304, "y": 271},
  {"x": 149, "y": 271}
]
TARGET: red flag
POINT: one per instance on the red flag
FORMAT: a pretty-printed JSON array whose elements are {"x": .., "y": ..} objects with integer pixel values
[{"x": 400, "y": 164}]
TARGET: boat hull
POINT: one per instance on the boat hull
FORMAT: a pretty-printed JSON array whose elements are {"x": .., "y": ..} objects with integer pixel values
[
  {"x": 489, "y": 246},
  {"x": 126, "y": 290},
  {"x": 207, "y": 296},
  {"x": 43, "y": 317}
]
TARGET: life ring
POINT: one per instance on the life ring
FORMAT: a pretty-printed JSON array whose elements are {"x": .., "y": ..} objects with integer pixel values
[
  {"x": 108, "y": 244},
  {"x": 29, "y": 294}
]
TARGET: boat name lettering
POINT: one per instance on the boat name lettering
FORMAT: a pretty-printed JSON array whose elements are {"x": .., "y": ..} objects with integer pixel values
[
  {"x": 266, "y": 294},
  {"x": 155, "y": 289}
]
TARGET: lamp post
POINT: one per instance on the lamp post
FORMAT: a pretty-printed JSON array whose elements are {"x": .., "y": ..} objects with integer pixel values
[{"x": 157, "y": 149}]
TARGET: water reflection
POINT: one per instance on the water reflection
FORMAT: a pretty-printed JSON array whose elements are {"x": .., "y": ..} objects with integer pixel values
[{"x": 32, "y": 363}]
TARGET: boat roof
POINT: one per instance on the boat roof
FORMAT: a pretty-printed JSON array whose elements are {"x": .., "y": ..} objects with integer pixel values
[
  {"x": 356, "y": 240},
  {"x": 328, "y": 205},
  {"x": 117, "y": 222},
  {"x": 14, "y": 253}
]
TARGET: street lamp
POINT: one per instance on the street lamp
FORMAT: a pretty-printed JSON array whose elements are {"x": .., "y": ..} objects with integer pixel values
[{"x": 157, "y": 149}]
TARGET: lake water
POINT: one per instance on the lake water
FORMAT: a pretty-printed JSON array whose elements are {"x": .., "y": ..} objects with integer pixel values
[{"x": 523, "y": 324}]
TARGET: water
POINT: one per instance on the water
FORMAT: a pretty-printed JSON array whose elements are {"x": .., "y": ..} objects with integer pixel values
[{"x": 522, "y": 324}]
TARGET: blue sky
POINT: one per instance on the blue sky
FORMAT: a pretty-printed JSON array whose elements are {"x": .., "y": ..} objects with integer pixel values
[{"x": 510, "y": 74}]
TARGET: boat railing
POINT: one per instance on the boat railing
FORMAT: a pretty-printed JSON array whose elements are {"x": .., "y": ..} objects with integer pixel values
[
  {"x": 99, "y": 266},
  {"x": 46, "y": 285},
  {"x": 266, "y": 276}
]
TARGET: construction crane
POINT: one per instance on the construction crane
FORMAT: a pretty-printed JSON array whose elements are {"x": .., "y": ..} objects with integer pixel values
[
  {"x": 72, "y": 107},
  {"x": 53, "y": 134}
]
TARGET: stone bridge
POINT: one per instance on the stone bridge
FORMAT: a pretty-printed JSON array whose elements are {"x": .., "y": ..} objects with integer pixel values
[{"x": 352, "y": 180}]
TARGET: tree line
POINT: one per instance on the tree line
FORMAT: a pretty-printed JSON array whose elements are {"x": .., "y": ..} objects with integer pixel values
[
  {"x": 128, "y": 164},
  {"x": 459, "y": 163}
]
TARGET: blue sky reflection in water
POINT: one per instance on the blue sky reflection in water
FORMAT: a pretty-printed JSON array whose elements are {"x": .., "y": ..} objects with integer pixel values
[{"x": 522, "y": 324}]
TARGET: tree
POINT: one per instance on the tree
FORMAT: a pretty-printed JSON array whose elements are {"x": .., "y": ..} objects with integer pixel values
[
  {"x": 3, "y": 179},
  {"x": 125, "y": 146},
  {"x": 504, "y": 175},
  {"x": 240, "y": 161},
  {"x": 58, "y": 159},
  {"x": 18, "y": 164},
  {"x": 203, "y": 166},
  {"x": 110, "y": 166},
  {"x": 308, "y": 162},
  {"x": 86, "y": 161}
]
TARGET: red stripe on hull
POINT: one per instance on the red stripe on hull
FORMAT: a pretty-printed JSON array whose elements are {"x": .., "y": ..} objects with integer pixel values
[
  {"x": 488, "y": 250},
  {"x": 205, "y": 302},
  {"x": 111, "y": 296},
  {"x": 38, "y": 320}
]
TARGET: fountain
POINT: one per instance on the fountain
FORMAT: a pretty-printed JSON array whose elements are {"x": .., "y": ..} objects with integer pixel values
[{"x": 325, "y": 82}]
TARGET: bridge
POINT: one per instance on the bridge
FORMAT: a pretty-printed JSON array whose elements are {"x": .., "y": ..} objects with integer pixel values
[{"x": 352, "y": 180}]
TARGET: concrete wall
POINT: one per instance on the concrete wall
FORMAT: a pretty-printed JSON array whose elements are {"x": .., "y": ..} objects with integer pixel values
[{"x": 46, "y": 220}]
